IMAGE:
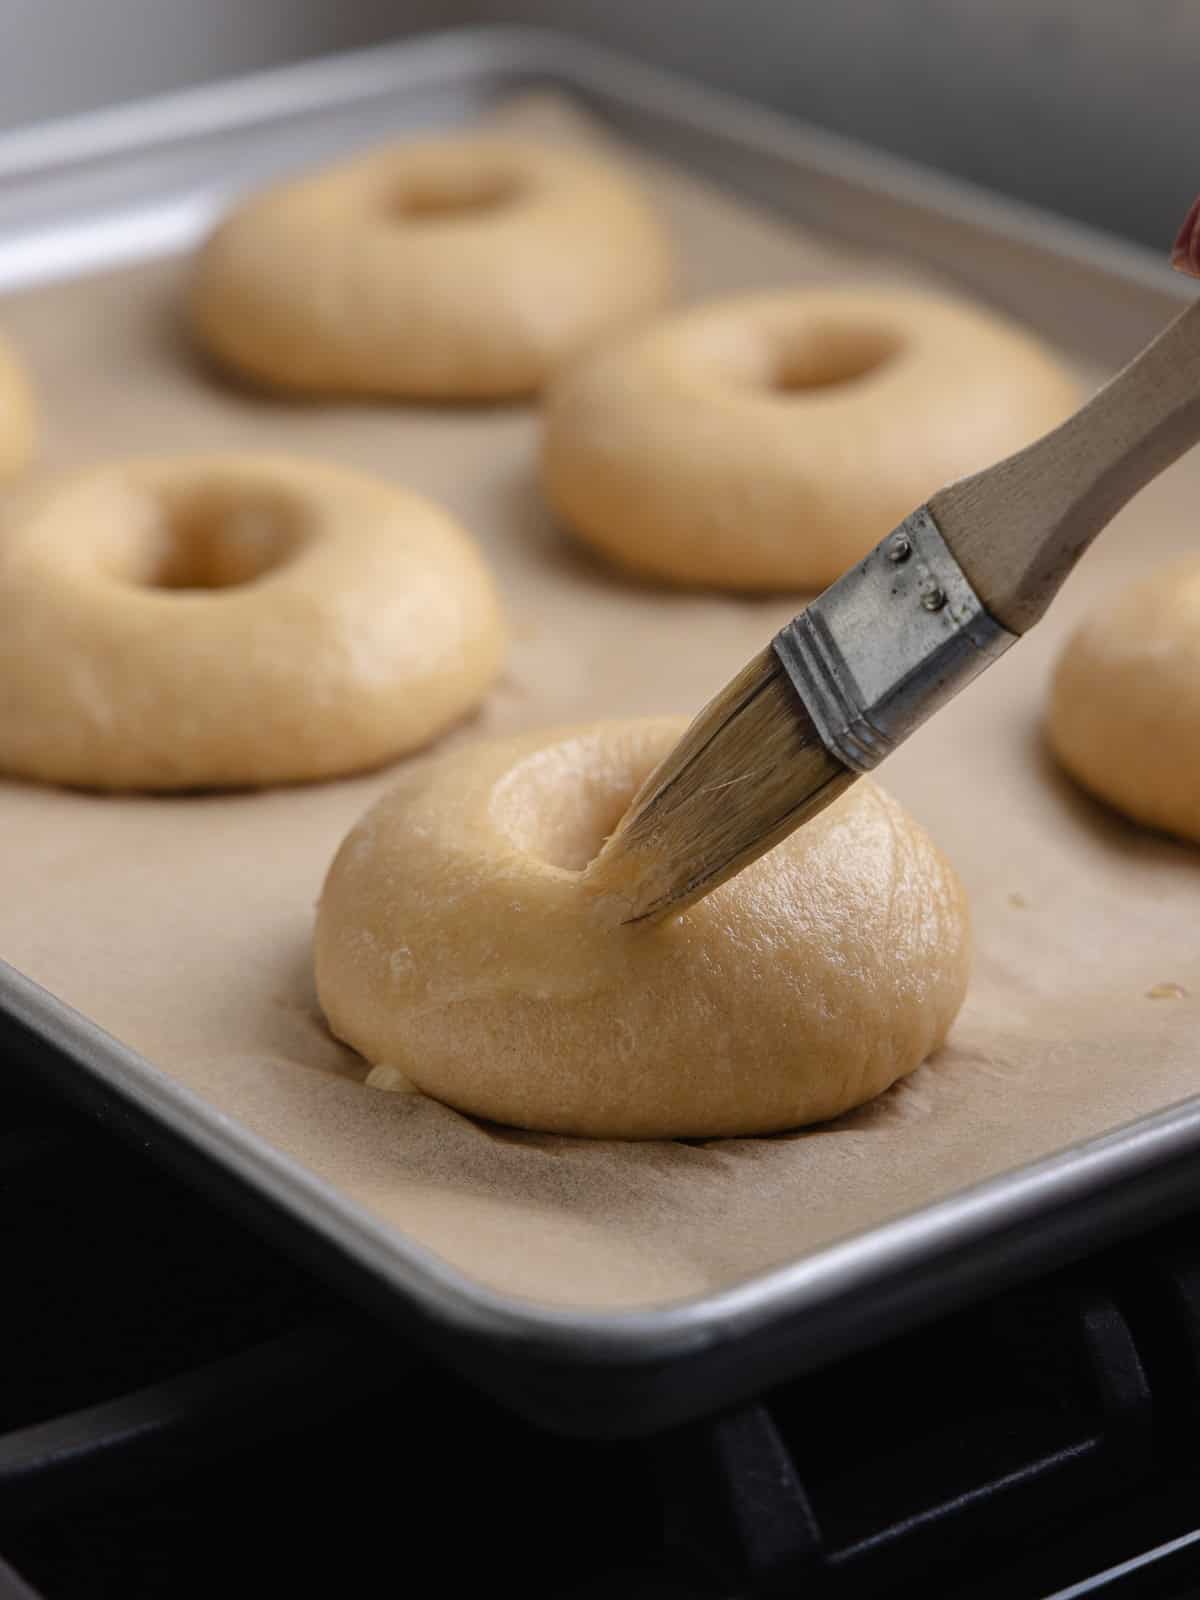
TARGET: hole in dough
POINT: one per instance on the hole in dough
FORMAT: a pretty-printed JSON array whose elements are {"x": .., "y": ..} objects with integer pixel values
[
  {"x": 202, "y": 536},
  {"x": 561, "y": 804},
  {"x": 827, "y": 355},
  {"x": 451, "y": 195}
]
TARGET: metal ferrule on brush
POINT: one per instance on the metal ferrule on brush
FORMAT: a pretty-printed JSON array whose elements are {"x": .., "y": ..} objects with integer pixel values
[{"x": 889, "y": 643}]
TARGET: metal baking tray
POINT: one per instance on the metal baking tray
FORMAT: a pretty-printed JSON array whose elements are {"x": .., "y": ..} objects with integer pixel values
[{"x": 129, "y": 183}]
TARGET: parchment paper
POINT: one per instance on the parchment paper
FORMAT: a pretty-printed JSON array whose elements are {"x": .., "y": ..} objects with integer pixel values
[{"x": 182, "y": 925}]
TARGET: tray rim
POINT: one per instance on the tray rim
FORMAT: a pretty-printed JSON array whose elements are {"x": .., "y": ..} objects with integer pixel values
[
  {"x": 38, "y": 152},
  {"x": 838, "y": 1273}
]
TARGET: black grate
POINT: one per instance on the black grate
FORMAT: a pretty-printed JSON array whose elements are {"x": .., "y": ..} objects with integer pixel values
[{"x": 185, "y": 1412}]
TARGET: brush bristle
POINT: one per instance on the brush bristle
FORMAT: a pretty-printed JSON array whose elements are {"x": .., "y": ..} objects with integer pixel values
[{"x": 749, "y": 770}]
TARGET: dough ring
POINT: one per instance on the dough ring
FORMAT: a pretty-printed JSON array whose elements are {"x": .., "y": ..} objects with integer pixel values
[
  {"x": 456, "y": 268},
  {"x": 1125, "y": 701},
  {"x": 208, "y": 621},
  {"x": 767, "y": 442},
  {"x": 456, "y": 946},
  {"x": 16, "y": 415}
]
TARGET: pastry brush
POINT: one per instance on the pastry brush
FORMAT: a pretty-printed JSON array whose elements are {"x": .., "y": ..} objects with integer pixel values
[{"x": 946, "y": 593}]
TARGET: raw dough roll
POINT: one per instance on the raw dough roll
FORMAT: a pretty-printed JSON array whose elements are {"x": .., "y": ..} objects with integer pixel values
[
  {"x": 1125, "y": 701},
  {"x": 456, "y": 268},
  {"x": 456, "y": 943},
  {"x": 208, "y": 621},
  {"x": 769, "y": 441},
  {"x": 16, "y": 415}
]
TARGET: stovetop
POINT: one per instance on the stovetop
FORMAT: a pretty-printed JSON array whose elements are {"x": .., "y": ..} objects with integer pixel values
[{"x": 183, "y": 1411}]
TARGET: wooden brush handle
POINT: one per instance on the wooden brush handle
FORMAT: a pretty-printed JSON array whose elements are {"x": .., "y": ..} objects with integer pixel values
[{"x": 1018, "y": 528}]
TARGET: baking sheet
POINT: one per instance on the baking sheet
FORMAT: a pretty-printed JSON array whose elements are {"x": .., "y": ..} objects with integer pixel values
[{"x": 182, "y": 925}]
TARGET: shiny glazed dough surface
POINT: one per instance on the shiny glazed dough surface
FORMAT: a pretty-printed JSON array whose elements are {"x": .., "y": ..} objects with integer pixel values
[
  {"x": 456, "y": 268},
  {"x": 454, "y": 941},
  {"x": 1124, "y": 715},
  {"x": 768, "y": 441},
  {"x": 219, "y": 621}
]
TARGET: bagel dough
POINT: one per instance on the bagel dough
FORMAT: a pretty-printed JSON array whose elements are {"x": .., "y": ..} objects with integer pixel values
[
  {"x": 455, "y": 944},
  {"x": 16, "y": 415},
  {"x": 211, "y": 621},
  {"x": 768, "y": 441},
  {"x": 1124, "y": 715},
  {"x": 454, "y": 268}
]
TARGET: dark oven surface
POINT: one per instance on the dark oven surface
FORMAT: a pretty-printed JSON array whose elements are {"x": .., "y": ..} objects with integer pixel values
[{"x": 183, "y": 1411}]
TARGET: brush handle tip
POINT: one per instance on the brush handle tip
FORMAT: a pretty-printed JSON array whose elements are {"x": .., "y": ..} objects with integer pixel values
[{"x": 1185, "y": 254}]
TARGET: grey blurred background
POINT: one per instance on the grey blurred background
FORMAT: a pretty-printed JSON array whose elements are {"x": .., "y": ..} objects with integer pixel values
[{"x": 1088, "y": 107}]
